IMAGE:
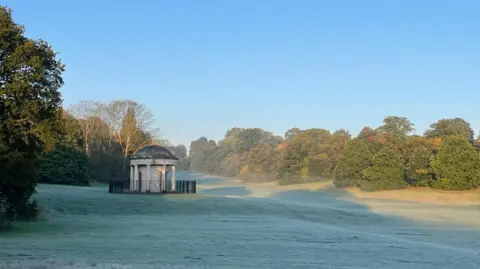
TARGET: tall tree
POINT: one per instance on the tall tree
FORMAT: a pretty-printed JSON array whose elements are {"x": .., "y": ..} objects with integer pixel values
[
  {"x": 456, "y": 165},
  {"x": 386, "y": 172},
  {"x": 398, "y": 127},
  {"x": 200, "y": 152},
  {"x": 30, "y": 76},
  {"x": 366, "y": 133},
  {"x": 261, "y": 159},
  {"x": 130, "y": 124},
  {"x": 88, "y": 112},
  {"x": 290, "y": 133},
  {"x": 357, "y": 157},
  {"x": 181, "y": 152},
  {"x": 450, "y": 127},
  {"x": 417, "y": 151}
]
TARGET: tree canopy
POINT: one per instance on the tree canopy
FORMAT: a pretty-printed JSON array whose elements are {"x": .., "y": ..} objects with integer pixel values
[
  {"x": 382, "y": 158},
  {"x": 30, "y": 76}
]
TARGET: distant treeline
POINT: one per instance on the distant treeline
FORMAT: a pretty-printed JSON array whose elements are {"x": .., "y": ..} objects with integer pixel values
[
  {"x": 384, "y": 158},
  {"x": 42, "y": 142}
]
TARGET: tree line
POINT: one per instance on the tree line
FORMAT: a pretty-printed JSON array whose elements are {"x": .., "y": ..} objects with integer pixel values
[
  {"x": 388, "y": 157},
  {"x": 41, "y": 142}
]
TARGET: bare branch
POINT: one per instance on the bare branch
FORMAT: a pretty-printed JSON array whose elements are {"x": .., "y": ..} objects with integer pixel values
[
  {"x": 130, "y": 124},
  {"x": 87, "y": 112}
]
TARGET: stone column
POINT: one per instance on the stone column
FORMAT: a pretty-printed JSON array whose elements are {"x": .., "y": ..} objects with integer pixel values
[
  {"x": 149, "y": 171},
  {"x": 135, "y": 176},
  {"x": 164, "y": 180},
  {"x": 173, "y": 177},
  {"x": 132, "y": 179}
]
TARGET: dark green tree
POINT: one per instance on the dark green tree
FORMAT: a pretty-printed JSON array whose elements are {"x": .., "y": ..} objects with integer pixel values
[
  {"x": 397, "y": 127},
  {"x": 357, "y": 156},
  {"x": 451, "y": 127},
  {"x": 30, "y": 76},
  {"x": 65, "y": 165},
  {"x": 386, "y": 172},
  {"x": 67, "y": 162},
  {"x": 456, "y": 165}
]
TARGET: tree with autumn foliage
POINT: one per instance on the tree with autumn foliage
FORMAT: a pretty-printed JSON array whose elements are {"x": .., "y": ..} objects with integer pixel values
[
  {"x": 383, "y": 158},
  {"x": 417, "y": 151}
]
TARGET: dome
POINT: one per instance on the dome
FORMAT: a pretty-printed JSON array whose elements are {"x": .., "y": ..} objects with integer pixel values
[{"x": 154, "y": 152}]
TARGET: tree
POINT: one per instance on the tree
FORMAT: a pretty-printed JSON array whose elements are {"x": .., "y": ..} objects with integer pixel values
[
  {"x": 456, "y": 165},
  {"x": 337, "y": 144},
  {"x": 130, "y": 124},
  {"x": 387, "y": 157},
  {"x": 290, "y": 133},
  {"x": 66, "y": 162},
  {"x": 450, "y": 127},
  {"x": 200, "y": 152},
  {"x": 342, "y": 133},
  {"x": 366, "y": 133},
  {"x": 417, "y": 151},
  {"x": 65, "y": 165},
  {"x": 181, "y": 152},
  {"x": 88, "y": 112},
  {"x": 386, "y": 172},
  {"x": 477, "y": 142},
  {"x": 358, "y": 156},
  {"x": 398, "y": 127},
  {"x": 106, "y": 157},
  {"x": 162, "y": 142},
  {"x": 306, "y": 154},
  {"x": 244, "y": 140},
  {"x": 30, "y": 76},
  {"x": 261, "y": 159}
]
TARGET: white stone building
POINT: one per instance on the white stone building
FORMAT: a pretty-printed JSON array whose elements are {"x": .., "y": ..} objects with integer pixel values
[{"x": 149, "y": 170}]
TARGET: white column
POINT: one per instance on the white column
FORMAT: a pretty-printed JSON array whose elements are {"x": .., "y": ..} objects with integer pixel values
[
  {"x": 158, "y": 179},
  {"x": 149, "y": 171},
  {"x": 132, "y": 179},
  {"x": 164, "y": 180},
  {"x": 173, "y": 177},
  {"x": 161, "y": 179},
  {"x": 135, "y": 176}
]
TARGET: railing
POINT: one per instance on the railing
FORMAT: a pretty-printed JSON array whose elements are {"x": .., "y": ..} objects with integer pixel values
[
  {"x": 118, "y": 186},
  {"x": 153, "y": 186},
  {"x": 186, "y": 186}
]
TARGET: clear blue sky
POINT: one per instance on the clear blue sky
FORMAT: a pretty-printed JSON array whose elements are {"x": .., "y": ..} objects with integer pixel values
[{"x": 206, "y": 66}]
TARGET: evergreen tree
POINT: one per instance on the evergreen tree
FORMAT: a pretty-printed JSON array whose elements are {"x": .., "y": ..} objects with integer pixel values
[
  {"x": 30, "y": 76},
  {"x": 456, "y": 165},
  {"x": 386, "y": 173},
  {"x": 357, "y": 156}
]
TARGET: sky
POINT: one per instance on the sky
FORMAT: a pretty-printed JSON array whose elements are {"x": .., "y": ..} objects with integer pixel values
[{"x": 203, "y": 67}]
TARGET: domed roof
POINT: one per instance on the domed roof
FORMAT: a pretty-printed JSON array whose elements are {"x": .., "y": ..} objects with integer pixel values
[{"x": 154, "y": 152}]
